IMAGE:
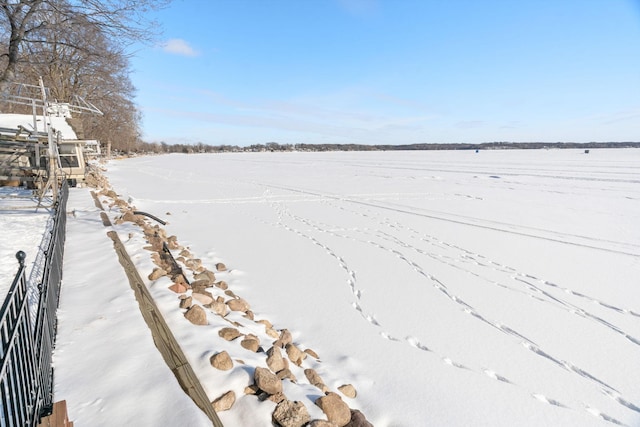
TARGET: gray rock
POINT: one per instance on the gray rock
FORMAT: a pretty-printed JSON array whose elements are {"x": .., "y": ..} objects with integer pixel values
[
  {"x": 229, "y": 334},
  {"x": 186, "y": 302},
  {"x": 291, "y": 414},
  {"x": 206, "y": 275},
  {"x": 219, "y": 308},
  {"x": 238, "y": 304},
  {"x": 348, "y": 390},
  {"x": 250, "y": 343},
  {"x": 315, "y": 379},
  {"x": 295, "y": 354},
  {"x": 196, "y": 315},
  {"x": 224, "y": 402},
  {"x": 221, "y": 361},
  {"x": 267, "y": 381},
  {"x": 335, "y": 409},
  {"x": 275, "y": 361}
]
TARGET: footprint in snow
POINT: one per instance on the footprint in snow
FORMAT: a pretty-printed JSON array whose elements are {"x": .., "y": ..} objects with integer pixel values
[
  {"x": 372, "y": 320},
  {"x": 452, "y": 363},
  {"x": 596, "y": 413},
  {"x": 547, "y": 400},
  {"x": 414, "y": 342},
  {"x": 387, "y": 336},
  {"x": 495, "y": 376}
]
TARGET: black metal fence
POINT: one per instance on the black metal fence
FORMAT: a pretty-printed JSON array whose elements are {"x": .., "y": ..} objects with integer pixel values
[{"x": 26, "y": 374}]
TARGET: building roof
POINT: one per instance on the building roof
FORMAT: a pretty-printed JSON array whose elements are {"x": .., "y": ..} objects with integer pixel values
[{"x": 59, "y": 124}]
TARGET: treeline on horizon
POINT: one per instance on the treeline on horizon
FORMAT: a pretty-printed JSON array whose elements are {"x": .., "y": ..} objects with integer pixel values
[{"x": 276, "y": 147}]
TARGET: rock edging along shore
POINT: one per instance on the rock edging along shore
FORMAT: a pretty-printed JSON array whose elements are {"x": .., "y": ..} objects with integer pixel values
[{"x": 203, "y": 296}]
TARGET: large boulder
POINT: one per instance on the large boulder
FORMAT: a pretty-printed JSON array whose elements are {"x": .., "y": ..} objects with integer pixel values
[
  {"x": 194, "y": 264},
  {"x": 315, "y": 379},
  {"x": 251, "y": 343},
  {"x": 229, "y": 334},
  {"x": 224, "y": 402},
  {"x": 267, "y": 381},
  {"x": 178, "y": 288},
  {"x": 284, "y": 339},
  {"x": 275, "y": 361},
  {"x": 157, "y": 273},
  {"x": 206, "y": 275},
  {"x": 295, "y": 354},
  {"x": 219, "y": 308},
  {"x": 186, "y": 302},
  {"x": 312, "y": 353},
  {"x": 335, "y": 409},
  {"x": 348, "y": 390},
  {"x": 291, "y": 414},
  {"x": 203, "y": 299},
  {"x": 238, "y": 304},
  {"x": 200, "y": 285},
  {"x": 222, "y": 285},
  {"x": 196, "y": 315},
  {"x": 221, "y": 361}
]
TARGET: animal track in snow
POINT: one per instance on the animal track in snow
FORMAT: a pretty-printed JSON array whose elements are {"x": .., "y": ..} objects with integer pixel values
[
  {"x": 596, "y": 413},
  {"x": 414, "y": 342},
  {"x": 490, "y": 271},
  {"x": 388, "y": 337},
  {"x": 545, "y": 399},
  {"x": 616, "y": 396},
  {"x": 495, "y": 376},
  {"x": 452, "y": 363}
]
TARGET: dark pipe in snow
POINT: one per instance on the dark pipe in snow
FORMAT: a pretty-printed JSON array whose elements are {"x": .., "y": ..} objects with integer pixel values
[{"x": 150, "y": 216}]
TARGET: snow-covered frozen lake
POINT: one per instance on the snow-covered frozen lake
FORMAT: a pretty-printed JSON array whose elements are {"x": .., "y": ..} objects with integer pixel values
[{"x": 450, "y": 288}]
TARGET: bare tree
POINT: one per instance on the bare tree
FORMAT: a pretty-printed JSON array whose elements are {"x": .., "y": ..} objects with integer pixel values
[
  {"x": 78, "y": 47},
  {"x": 23, "y": 22},
  {"x": 81, "y": 60}
]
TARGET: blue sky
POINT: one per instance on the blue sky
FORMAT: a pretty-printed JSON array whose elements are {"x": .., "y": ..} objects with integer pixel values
[{"x": 244, "y": 72}]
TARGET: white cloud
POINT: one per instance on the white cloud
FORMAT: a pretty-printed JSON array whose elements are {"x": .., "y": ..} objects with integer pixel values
[{"x": 179, "y": 47}]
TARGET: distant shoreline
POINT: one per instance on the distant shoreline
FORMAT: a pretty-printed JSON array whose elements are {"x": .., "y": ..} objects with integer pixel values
[
  {"x": 277, "y": 147},
  {"x": 462, "y": 146}
]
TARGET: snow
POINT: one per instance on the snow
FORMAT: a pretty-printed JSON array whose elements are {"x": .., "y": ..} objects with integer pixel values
[
  {"x": 106, "y": 365},
  {"x": 450, "y": 288},
  {"x": 59, "y": 124},
  {"x": 23, "y": 225}
]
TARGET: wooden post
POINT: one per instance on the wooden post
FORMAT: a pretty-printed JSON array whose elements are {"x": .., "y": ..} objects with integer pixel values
[{"x": 58, "y": 418}]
